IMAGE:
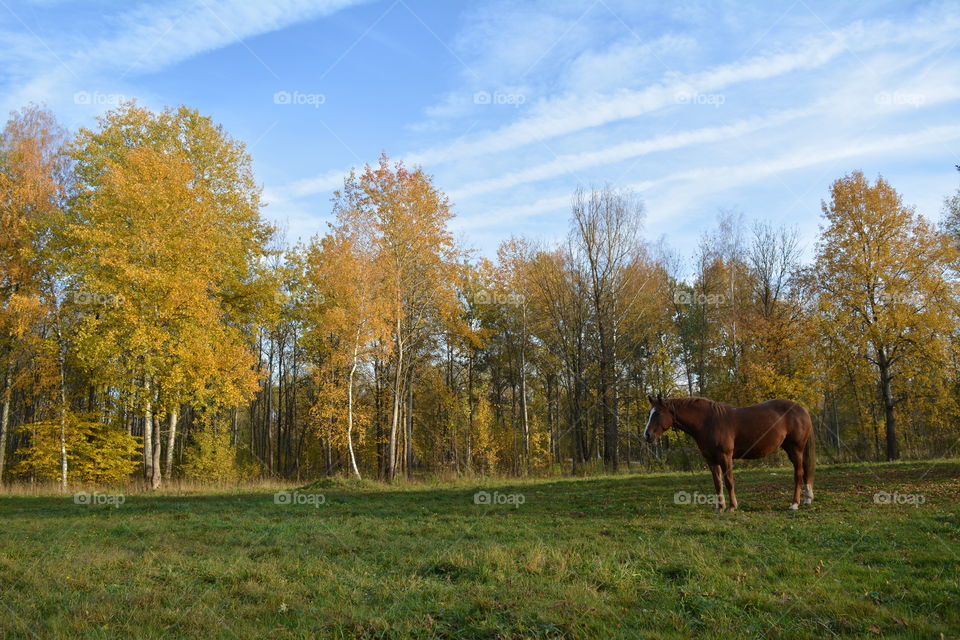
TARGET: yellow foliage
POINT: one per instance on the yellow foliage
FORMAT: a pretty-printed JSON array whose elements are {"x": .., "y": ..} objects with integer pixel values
[
  {"x": 211, "y": 457},
  {"x": 97, "y": 453}
]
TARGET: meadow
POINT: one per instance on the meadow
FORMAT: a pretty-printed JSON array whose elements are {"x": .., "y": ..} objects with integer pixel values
[{"x": 625, "y": 556}]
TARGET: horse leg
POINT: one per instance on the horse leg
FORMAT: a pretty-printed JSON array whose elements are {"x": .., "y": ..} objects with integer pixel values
[
  {"x": 809, "y": 461},
  {"x": 796, "y": 457},
  {"x": 726, "y": 465},
  {"x": 718, "y": 486}
]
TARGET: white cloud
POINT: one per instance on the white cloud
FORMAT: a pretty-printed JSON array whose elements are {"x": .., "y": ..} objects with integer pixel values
[
  {"x": 145, "y": 39},
  {"x": 622, "y": 63},
  {"x": 308, "y": 186},
  {"x": 573, "y": 162},
  {"x": 573, "y": 112},
  {"x": 692, "y": 185}
]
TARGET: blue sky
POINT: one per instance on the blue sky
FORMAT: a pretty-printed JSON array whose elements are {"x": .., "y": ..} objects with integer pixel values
[{"x": 697, "y": 106}]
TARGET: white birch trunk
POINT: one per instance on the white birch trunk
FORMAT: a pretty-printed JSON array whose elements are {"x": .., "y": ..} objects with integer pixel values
[
  {"x": 353, "y": 369},
  {"x": 395, "y": 421},
  {"x": 155, "y": 477},
  {"x": 171, "y": 440},
  {"x": 148, "y": 432},
  {"x": 5, "y": 415}
]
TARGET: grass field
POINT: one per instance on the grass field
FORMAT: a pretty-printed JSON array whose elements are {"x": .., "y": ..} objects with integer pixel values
[{"x": 610, "y": 557}]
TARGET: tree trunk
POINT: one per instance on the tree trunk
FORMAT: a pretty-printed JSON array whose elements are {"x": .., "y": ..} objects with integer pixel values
[
  {"x": 610, "y": 437},
  {"x": 5, "y": 412},
  {"x": 378, "y": 417},
  {"x": 408, "y": 440},
  {"x": 395, "y": 421},
  {"x": 62, "y": 366},
  {"x": 468, "y": 454},
  {"x": 524, "y": 414},
  {"x": 292, "y": 393},
  {"x": 268, "y": 417},
  {"x": 172, "y": 438},
  {"x": 148, "y": 432},
  {"x": 155, "y": 477},
  {"x": 328, "y": 451},
  {"x": 281, "y": 346},
  {"x": 63, "y": 418},
  {"x": 353, "y": 459},
  {"x": 887, "y": 394}
]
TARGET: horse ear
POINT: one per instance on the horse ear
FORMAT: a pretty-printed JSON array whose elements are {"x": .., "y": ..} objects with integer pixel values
[
  {"x": 659, "y": 397},
  {"x": 650, "y": 400}
]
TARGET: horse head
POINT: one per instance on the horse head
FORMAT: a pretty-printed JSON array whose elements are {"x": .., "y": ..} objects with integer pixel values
[{"x": 661, "y": 418}]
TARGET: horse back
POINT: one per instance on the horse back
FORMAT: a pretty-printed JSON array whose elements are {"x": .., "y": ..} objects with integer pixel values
[{"x": 760, "y": 429}]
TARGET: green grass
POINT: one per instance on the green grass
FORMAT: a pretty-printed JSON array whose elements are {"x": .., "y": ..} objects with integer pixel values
[{"x": 609, "y": 557}]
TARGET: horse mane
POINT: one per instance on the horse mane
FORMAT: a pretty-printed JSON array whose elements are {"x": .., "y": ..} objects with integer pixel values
[{"x": 712, "y": 406}]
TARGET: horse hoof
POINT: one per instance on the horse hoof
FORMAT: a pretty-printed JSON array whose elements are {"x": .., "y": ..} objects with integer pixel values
[
  {"x": 807, "y": 501},
  {"x": 793, "y": 507}
]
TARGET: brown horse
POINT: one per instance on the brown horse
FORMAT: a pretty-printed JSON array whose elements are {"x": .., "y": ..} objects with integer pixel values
[{"x": 724, "y": 432}]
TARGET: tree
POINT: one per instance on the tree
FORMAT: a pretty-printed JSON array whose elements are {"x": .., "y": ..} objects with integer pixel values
[
  {"x": 403, "y": 217},
  {"x": 511, "y": 314},
  {"x": 560, "y": 305},
  {"x": 163, "y": 242},
  {"x": 605, "y": 233},
  {"x": 341, "y": 305},
  {"x": 885, "y": 291},
  {"x": 951, "y": 217},
  {"x": 776, "y": 330},
  {"x": 33, "y": 184}
]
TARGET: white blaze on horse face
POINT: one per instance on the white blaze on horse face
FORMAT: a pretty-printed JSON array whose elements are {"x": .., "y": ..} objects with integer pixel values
[{"x": 646, "y": 430}]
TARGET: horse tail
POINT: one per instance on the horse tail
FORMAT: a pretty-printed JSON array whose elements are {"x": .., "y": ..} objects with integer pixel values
[{"x": 809, "y": 458}]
